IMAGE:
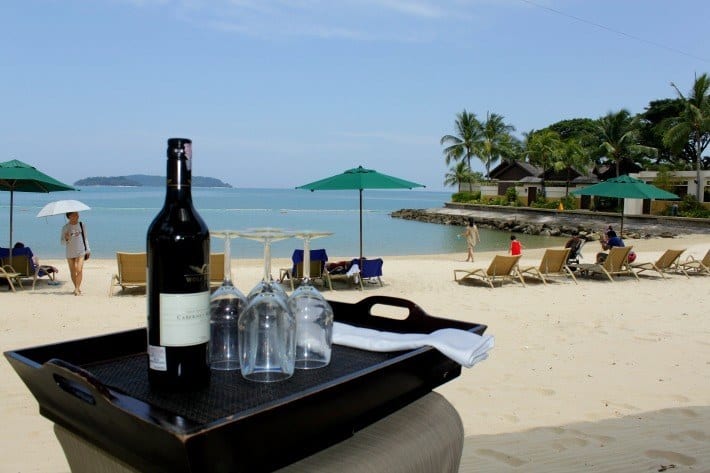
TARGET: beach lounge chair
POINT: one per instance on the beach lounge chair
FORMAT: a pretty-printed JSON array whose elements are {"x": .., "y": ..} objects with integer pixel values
[
  {"x": 294, "y": 274},
  {"x": 553, "y": 263},
  {"x": 23, "y": 263},
  {"x": 131, "y": 271},
  {"x": 358, "y": 270},
  {"x": 616, "y": 264},
  {"x": 501, "y": 267},
  {"x": 371, "y": 270},
  {"x": 668, "y": 262},
  {"x": 697, "y": 266},
  {"x": 7, "y": 272},
  {"x": 216, "y": 269}
]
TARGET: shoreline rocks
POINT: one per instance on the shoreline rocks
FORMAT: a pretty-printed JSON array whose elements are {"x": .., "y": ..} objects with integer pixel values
[{"x": 561, "y": 225}]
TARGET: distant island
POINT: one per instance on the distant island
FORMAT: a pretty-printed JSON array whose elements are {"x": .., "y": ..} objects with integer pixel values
[{"x": 143, "y": 180}]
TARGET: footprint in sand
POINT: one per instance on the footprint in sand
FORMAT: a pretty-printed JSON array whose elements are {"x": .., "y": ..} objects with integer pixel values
[
  {"x": 692, "y": 434},
  {"x": 563, "y": 444},
  {"x": 673, "y": 457},
  {"x": 547, "y": 392},
  {"x": 501, "y": 457},
  {"x": 512, "y": 418}
]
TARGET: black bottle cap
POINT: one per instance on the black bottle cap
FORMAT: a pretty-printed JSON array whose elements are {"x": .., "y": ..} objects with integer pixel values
[{"x": 180, "y": 148}]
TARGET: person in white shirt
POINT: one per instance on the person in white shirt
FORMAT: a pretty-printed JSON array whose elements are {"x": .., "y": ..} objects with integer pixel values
[{"x": 74, "y": 237}]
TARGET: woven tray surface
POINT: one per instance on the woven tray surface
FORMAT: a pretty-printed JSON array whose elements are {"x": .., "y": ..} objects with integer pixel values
[{"x": 228, "y": 392}]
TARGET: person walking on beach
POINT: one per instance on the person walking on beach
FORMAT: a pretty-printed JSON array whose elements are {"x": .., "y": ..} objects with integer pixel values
[
  {"x": 516, "y": 248},
  {"x": 472, "y": 237},
  {"x": 74, "y": 237}
]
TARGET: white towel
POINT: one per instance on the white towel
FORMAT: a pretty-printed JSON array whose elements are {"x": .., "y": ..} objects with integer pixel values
[{"x": 463, "y": 347}]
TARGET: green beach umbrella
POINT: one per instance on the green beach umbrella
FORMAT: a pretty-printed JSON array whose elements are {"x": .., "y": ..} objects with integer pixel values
[
  {"x": 625, "y": 187},
  {"x": 16, "y": 176},
  {"x": 359, "y": 179}
]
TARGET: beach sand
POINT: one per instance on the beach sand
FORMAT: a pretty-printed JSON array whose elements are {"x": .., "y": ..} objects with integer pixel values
[{"x": 598, "y": 376}]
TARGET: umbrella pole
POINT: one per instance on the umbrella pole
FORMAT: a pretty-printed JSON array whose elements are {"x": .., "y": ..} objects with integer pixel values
[
  {"x": 12, "y": 203},
  {"x": 361, "y": 228},
  {"x": 621, "y": 232}
]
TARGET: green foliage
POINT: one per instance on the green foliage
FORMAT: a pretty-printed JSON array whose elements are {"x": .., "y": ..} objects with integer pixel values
[
  {"x": 690, "y": 207},
  {"x": 664, "y": 179},
  {"x": 466, "y": 197},
  {"x": 542, "y": 203},
  {"x": 569, "y": 202},
  {"x": 511, "y": 194}
]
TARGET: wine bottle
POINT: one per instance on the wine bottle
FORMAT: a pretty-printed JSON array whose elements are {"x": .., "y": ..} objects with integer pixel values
[{"x": 178, "y": 247}]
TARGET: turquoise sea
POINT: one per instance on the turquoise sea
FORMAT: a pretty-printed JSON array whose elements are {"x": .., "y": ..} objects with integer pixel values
[{"x": 119, "y": 218}]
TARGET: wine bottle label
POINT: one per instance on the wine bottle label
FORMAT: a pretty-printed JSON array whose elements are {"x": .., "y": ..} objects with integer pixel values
[
  {"x": 184, "y": 319},
  {"x": 156, "y": 358}
]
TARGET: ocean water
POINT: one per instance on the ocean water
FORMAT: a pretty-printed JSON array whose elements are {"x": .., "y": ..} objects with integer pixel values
[{"x": 120, "y": 216}]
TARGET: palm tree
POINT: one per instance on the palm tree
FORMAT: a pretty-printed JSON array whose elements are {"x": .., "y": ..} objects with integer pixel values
[
  {"x": 572, "y": 155},
  {"x": 693, "y": 125},
  {"x": 543, "y": 148},
  {"x": 463, "y": 145},
  {"x": 496, "y": 141},
  {"x": 460, "y": 174},
  {"x": 619, "y": 134}
]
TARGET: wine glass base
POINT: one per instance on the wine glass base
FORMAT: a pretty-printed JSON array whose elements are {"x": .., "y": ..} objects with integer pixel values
[
  {"x": 267, "y": 376},
  {"x": 311, "y": 364},
  {"x": 227, "y": 365}
]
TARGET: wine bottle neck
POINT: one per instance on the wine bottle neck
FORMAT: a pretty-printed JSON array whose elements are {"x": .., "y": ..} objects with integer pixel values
[{"x": 179, "y": 180}]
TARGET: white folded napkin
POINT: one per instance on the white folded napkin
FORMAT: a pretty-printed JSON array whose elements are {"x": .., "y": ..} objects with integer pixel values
[{"x": 465, "y": 348}]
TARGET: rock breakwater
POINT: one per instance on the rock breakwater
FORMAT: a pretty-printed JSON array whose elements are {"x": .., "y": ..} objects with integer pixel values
[{"x": 534, "y": 223}]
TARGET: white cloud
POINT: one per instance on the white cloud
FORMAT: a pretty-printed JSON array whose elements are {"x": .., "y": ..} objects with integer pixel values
[{"x": 356, "y": 20}]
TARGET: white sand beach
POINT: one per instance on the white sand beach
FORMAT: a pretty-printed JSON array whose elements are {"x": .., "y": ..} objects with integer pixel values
[{"x": 599, "y": 376}]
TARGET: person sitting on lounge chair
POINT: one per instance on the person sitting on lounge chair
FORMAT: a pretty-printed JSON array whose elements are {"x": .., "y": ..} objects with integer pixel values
[
  {"x": 42, "y": 270},
  {"x": 608, "y": 242}
]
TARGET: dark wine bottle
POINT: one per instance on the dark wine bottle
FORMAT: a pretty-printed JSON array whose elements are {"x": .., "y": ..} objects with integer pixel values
[{"x": 178, "y": 247}]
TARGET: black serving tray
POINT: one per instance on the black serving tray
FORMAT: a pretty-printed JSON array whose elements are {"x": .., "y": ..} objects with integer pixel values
[{"x": 98, "y": 388}]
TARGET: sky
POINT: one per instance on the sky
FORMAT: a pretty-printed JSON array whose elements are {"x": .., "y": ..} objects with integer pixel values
[{"x": 278, "y": 93}]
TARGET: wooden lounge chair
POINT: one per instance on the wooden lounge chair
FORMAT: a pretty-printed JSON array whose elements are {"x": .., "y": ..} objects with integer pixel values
[
  {"x": 501, "y": 267},
  {"x": 616, "y": 264},
  {"x": 697, "y": 266},
  {"x": 668, "y": 262},
  {"x": 553, "y": 263},
  {"x": 216, "y": 269},
  {"x": 131, "y": 271},
  {"x": 23, "y": 263},
  {"x": 8, "y": 272}
]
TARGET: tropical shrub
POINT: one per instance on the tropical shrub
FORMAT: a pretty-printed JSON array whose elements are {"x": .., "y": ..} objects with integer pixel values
[
  {"x": 690, "y": 207},
  {"x": 511, "y": 195},
  {"x": 569, "y": 202},
  {"x": 466, "y": 197}
]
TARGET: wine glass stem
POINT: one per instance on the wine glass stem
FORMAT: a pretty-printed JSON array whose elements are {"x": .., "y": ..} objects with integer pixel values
[
  {"x": 306, "y": 258},
  {"x": 227, "y": 258},
  {"x": 267, "y": 259}
]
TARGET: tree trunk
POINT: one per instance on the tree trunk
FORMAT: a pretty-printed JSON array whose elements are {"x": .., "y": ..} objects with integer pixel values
[{"x": 700, "y": 187}]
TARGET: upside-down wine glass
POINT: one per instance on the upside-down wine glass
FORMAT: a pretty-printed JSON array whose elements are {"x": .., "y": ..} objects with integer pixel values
[
  {"x": 267, "y": 328},
  {"x": 226, "y": 305},
  {"x": 314, "y": 316}
]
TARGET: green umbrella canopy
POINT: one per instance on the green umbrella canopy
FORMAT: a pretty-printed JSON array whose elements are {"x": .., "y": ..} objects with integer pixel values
[
  {"x": 16, "y": 176},
  {"x": 625, "y": 187},
  {"x": 359, "y": 179}
]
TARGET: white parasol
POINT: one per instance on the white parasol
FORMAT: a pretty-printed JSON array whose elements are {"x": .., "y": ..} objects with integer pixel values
[{"x": 60, "y": 207}]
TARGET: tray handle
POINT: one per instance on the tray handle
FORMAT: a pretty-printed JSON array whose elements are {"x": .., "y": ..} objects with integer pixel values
[
  {"x": 77, "y": 382},
  {"x": 416, "y": 313}
]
